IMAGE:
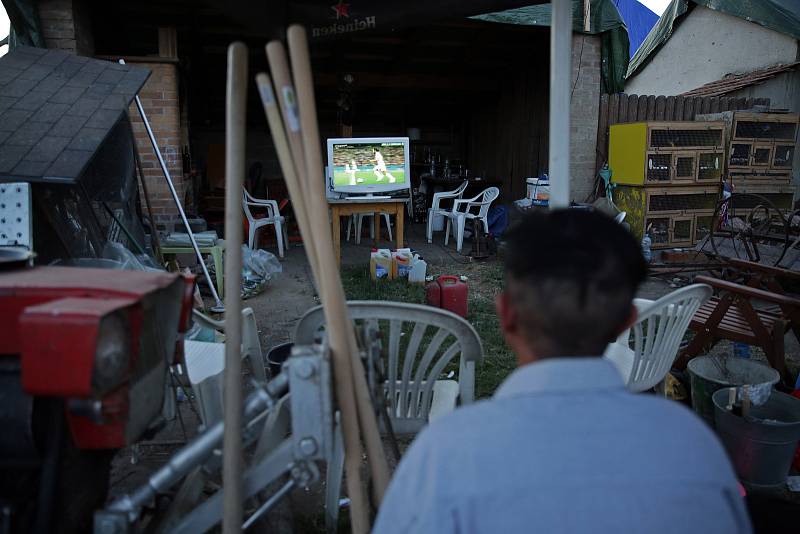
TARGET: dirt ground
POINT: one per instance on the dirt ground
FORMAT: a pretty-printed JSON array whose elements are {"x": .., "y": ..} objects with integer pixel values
[{"x": 277, "y": 311}]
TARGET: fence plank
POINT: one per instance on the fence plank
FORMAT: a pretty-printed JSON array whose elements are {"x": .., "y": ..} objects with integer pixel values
[
  {"x": 651, "y": 107},
  {"x": 622, "y": 112},
  {"x": 688, "y": 109},
  {"x": 661, "y": 103},
  {"x": 714, "y": 106},
  {"x": 680, "y": 103},
  {"x": 669, "y": 108},
  {"x": 613, "y": 108},
  {"x": 641, "y": 108},
  {"x": 633, "y": 102}
]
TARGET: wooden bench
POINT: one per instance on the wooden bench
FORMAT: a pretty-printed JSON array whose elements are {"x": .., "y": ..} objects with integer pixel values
[{"x": 743, "y": 314}]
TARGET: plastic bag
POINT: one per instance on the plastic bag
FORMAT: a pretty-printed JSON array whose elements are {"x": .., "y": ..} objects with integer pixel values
[
  {"x": 258, "y": 268},
  {"x": 127, "y": 259}
]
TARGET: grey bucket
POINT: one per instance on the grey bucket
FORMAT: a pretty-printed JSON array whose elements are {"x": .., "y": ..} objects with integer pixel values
[
  {"x": 761, "y": 447},
  {"x": 276, "y": 356},
  {"x": 706, "y": 377}
]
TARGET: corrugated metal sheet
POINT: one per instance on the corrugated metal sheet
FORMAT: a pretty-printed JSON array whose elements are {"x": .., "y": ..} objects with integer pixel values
[{"x": 734, "y": 82}]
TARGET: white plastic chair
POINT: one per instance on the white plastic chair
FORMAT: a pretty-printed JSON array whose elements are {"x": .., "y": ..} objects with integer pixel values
[
  {"x": 422, "y": 341},
  {"x": 205, "y": 364},
  {"x": 273, "y": 217},
  {"x": 358, "y": 219},
  {"x": 644, "y": 353},
  {"x": 464, "y": 209},
  {"x": 437, "y": 210},
  {"x": 415, "y": 392}
]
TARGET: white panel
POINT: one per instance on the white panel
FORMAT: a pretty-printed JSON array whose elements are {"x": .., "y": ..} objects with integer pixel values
[{"x": 16, "y": 227}]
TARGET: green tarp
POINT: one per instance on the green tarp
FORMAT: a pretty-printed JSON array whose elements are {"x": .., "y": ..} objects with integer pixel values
[
  {"x": 604, "y": 20},
  {"x": 780, "y": 15},
  {"x": 25, "y": 27}
]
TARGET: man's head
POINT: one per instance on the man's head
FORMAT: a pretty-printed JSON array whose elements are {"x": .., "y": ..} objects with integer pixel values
[{"x": 571, "y": 276}]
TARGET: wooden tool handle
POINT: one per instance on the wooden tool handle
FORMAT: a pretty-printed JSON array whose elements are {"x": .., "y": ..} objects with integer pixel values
[
  {"x": 336, "y": 313},
  {"x": 235, "y": 119}
]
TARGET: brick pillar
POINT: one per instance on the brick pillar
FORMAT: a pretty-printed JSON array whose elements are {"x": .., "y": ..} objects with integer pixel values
[
  {"x": 584, "y": 107},
  {"x": 159, "y": 98},
  {"x": 66, "y": 26}
]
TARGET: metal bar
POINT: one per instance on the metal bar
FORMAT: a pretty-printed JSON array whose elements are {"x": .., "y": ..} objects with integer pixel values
[
  {"x": 560, "y": 74},
  {"x": 155, "y": 241},
  {"x": 269, "y": 503},
  {"x": 193, "y": 454},
  {"x": 235, "y": 120},
  {"x": 218, "y": 307},
  {"x": 208, "y": 513}
]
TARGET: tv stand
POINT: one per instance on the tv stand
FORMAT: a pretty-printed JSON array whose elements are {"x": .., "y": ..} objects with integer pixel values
[{"x": 364, "y": 204}]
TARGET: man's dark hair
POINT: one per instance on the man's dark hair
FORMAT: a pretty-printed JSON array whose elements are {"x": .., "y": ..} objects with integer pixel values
[{"x": 571, "y": 276}]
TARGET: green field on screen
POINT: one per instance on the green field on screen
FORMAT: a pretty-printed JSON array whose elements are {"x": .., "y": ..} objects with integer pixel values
[{"x": 343, "y": 178}]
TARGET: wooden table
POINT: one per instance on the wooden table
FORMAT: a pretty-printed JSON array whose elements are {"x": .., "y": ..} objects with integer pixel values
[
  {"x": 350, "y": 206},
  {"x": 216, "y": 252}
]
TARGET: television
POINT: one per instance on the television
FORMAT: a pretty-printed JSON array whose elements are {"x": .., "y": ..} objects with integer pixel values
[{"x": 368, "y": 165}]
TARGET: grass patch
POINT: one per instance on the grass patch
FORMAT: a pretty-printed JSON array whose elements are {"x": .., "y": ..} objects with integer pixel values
[{"x": 485, "y": 281}]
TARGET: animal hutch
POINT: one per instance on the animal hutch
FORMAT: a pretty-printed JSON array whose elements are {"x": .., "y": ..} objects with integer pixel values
[
  {"x": 667, "y": 176},
  {"x": 760, "y": 152}
]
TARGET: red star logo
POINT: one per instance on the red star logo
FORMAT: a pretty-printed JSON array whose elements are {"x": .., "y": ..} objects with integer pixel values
[{"x": 342, "y": 10}]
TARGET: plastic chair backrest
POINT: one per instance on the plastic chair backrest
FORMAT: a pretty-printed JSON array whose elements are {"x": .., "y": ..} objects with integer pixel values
[
  {"x": 246, "y": 206},
  {"x": 657, "y": 334},
  {"x": 488, "y": 196},
  {"x": 422, "y": 343},
  {"x": 456, "y": 193}
]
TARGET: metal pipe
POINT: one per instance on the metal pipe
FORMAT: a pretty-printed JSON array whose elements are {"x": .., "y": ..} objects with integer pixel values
[
  {"x": 269, "y": 503},
  {"x": 196, "y": 452},
  {"x": 235, "y": 120},
  {"x": 218, "y": 307},
  {"x": 560, "y": 74}
]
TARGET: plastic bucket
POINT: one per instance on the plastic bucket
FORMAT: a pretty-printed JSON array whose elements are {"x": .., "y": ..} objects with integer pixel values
[
  {"x": 761, "y": 446},
  {"x": 706, "y": 377},
  {"x": 276, "y": 356}
]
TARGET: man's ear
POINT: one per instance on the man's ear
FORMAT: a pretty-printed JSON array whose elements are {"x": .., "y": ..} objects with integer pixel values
[
  {"x": 631, "y": 320},
  {"x": 506, "y": 313}
]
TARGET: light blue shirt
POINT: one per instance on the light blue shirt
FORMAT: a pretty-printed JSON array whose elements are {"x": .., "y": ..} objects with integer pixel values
[{"x": 564, "y": 447}]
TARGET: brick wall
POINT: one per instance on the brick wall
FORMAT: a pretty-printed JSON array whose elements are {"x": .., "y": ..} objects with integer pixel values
[
  {"x": 583, "y": 113},
  {"x": 66, "y": 25},
  {"x": 159, "y": 98}
]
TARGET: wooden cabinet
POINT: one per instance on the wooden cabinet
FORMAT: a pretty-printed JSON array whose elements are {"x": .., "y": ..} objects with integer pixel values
[
  {"x": 672, "y": 195},
  {"x": 761, "y": 146},
  {"x": 672, "y": 216},
  {"x": 666, "y": 153}
]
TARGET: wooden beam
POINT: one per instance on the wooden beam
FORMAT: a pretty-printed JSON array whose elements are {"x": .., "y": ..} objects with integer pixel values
[{"x": 411, "y": 81}]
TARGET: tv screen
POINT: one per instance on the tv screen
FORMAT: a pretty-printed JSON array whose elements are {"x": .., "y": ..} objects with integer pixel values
[{"x": 368, "y": 164}]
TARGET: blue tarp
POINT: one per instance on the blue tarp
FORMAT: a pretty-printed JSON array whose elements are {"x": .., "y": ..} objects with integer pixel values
[{"x": 639, "y": 20}]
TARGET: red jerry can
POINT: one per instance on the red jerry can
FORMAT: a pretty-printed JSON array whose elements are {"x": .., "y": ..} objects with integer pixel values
[{"x": 448, "y": 292}]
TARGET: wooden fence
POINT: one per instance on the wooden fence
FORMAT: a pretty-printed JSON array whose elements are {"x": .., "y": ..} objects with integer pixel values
[{"x": 620, "y": 107}]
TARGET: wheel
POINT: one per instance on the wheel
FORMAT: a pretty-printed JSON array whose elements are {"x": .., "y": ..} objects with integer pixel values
[{"x": 749, "y": 227}]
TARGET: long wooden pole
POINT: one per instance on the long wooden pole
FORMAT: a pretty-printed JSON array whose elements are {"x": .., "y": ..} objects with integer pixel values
[
  {"x": 340, "y": 327},
  {"x": 288, "y": 167},
  {"x": 235, "y": 117},
  {"x": 315, "y": 237}
]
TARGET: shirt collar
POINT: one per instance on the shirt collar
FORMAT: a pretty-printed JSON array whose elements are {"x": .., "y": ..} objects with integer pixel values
[{"x": 560, "y": 375}]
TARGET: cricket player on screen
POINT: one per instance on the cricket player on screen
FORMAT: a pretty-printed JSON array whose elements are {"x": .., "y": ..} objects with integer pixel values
[
  {"x": 380, "y": 168},
  {"x": 351, "y": 170}
]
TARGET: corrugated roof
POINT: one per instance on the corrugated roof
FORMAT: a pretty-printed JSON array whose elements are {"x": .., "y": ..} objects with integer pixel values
[
  {"x": 734, "y": 82},
  {"x": 56, "y": 110}
]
